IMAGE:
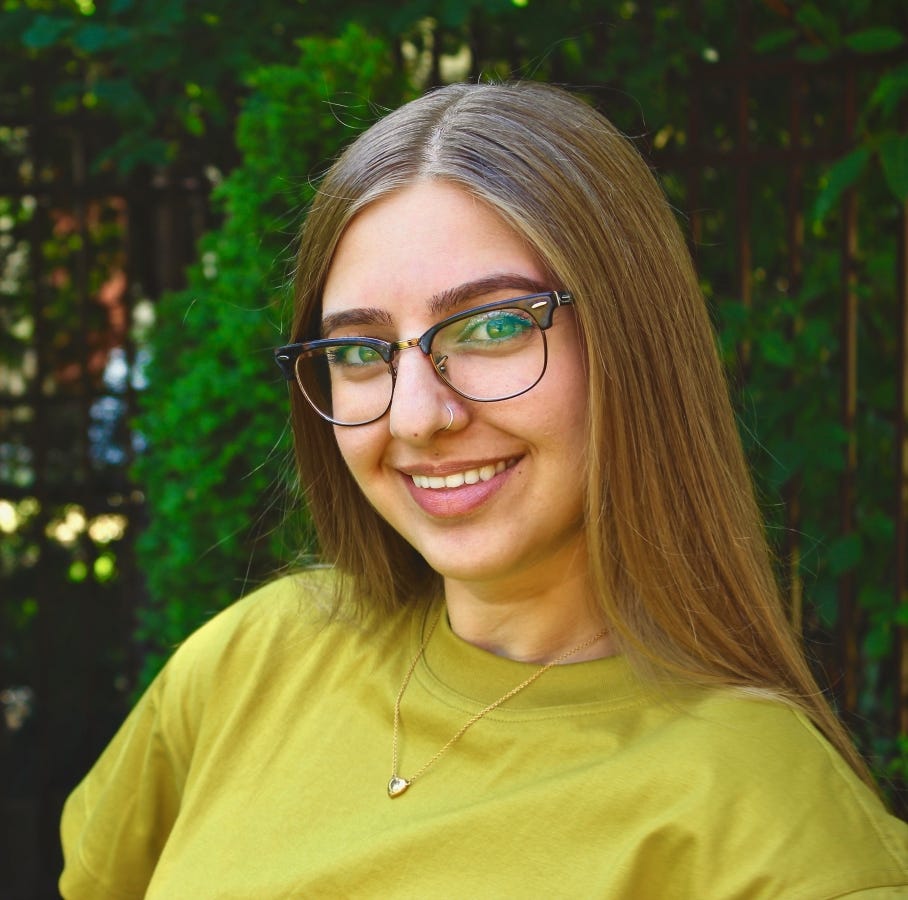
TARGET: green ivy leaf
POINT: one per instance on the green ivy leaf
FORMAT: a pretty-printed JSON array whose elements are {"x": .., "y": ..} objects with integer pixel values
[
  {"x": 194, "y": 124},
  {"x": 842, "y": 175},
  {"x": 845, "y": 553},
  {"x": 814, "y": 19},
  {"x": 878, "y": 526},
  {"x": 121, "y": 96},
  {"x": 894, "y": 157},
  {"x": 813, "y": 53},
  {"x": 93, "y": 37},
  {"x": 875, "y": 40},
  {"x": 773, "y": 40},
  {"x": 777, "y": 349},
  {"x": 892, "y": 86},
  {"x": 46, "y": 31},
  {"x": 875, "y": 599},
  {"x": 878, "y": 642}
]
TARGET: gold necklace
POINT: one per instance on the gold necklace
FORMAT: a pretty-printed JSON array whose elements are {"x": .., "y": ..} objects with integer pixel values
[{"x": 397, "y": 785}]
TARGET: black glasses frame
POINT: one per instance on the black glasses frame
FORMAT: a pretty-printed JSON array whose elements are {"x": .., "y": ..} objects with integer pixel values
[{"x": 540, "y": 306}]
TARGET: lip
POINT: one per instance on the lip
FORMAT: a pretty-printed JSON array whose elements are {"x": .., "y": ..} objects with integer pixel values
[{"x": 451, "y": 502}]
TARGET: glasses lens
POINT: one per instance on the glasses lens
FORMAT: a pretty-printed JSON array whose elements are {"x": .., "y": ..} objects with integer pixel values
[
  {"x": 348, "y": 383},
  {"x": 493, "y": 355}
]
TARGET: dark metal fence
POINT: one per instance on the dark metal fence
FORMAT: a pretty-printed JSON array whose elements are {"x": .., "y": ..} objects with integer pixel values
[
  {"x": 815, "y": 108},
  {"x": 82, "y": 253}
]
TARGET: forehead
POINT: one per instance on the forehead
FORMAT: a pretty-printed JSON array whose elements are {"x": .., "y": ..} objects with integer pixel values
[{"x": 407, "y": 252}]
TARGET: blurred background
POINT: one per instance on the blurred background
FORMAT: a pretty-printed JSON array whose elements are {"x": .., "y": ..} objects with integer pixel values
[{"x": 156, "y": 159}]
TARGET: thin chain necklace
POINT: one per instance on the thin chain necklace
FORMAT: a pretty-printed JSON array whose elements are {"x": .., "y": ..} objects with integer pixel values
[{"x": 397, "y": 785}]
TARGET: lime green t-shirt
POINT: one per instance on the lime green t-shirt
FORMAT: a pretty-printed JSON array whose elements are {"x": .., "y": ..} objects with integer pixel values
[{"x": 257, "y": 764}]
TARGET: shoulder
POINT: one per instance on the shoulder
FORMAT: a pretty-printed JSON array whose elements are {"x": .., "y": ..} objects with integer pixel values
[
  {"x": 281, "y": 628},
  {"x": 746, "y": 737},
  {"x": 776, "y": 793},
  {"x": 247, "y": 660},
  {"x": 288, "y": 612},
  {"x": 301, "y": 600}
]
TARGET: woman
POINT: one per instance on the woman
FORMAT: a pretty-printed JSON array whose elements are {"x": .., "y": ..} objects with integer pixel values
[{"x": 549, "y": 657}]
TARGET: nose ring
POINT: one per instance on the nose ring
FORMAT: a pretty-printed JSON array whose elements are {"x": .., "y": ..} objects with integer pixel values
[{"x": 450, "y": 410}]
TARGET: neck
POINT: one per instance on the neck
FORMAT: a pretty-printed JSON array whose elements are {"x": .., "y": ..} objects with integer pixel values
[{"x": 529, "y": 622}]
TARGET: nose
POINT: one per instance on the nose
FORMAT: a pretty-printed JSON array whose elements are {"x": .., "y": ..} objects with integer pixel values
[{"x": 418, "y": 408}]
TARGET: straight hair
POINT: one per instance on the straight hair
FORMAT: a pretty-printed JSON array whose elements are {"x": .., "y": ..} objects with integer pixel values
[{"x": 678, "y": 555}]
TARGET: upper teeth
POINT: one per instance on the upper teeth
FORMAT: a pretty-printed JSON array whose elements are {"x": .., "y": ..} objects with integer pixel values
[{"x": 470, "y": 476}]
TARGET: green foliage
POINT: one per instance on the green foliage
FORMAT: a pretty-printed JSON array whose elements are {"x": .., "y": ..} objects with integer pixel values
[
  {"x": 893, "y": 149},
  {"x": 166, "y": 72},
  {"x": 880, "y": 132},
  {"x": 874, "y": 40},
  {"x": 215, "y": 409},
  {"x": 842, "y": 175}
]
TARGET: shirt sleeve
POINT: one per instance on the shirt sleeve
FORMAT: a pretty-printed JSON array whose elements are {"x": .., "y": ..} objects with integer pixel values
[{"x": 117, "y": 820}]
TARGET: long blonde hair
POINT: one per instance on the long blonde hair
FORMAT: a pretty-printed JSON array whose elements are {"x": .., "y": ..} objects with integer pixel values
[{"x": 676, "y": 542}]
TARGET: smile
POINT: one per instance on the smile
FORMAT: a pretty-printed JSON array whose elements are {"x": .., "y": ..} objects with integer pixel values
[{"x": 458, "y": 479}]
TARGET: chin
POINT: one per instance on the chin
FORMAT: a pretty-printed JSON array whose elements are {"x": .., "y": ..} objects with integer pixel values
[{"x": 476, "y": 570}]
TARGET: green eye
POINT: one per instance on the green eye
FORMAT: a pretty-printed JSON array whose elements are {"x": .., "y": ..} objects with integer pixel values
[
  {"x": 353, "y": 355},
  {"x": 495, "y": 327}
]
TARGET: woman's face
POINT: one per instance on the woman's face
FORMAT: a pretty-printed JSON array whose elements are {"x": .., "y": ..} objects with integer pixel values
[{"x": 404, "y": 263}]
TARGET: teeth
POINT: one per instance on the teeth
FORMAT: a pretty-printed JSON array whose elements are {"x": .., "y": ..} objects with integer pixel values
[{"x": 470, "y": 476}]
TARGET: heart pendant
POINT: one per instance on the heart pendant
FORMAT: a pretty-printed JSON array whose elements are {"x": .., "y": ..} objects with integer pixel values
[{"x": 397, "y": 785}]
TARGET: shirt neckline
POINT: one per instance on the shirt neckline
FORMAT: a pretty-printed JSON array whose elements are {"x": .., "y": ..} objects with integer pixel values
[{"x": 470, "y": 676}]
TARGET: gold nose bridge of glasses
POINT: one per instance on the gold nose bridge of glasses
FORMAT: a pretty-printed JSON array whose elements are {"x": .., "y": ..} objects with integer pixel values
[{"x": 397, "y": 346}]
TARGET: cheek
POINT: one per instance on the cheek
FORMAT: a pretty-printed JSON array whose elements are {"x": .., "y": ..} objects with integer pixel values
[
  {"x": 568, "y": 398},
  {"x": 580, "y": 407},
  {"x": 567, "y": 379},
  {"x": 348, "y": 446},
  {"x": 359, "y": 450}
]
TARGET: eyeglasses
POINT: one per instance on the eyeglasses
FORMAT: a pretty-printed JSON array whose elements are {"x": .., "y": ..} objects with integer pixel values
[{"x": 491, "y": 352}]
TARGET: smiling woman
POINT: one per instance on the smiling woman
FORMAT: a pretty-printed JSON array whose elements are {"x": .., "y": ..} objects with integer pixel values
[{"x": 547, "y": 656}]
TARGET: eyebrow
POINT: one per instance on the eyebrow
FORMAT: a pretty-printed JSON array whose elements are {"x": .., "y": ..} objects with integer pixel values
[
  {"x": 363, "y": 315},
  {"x": 448, "y": 300},
  {"x": 440, "y": 304}
]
